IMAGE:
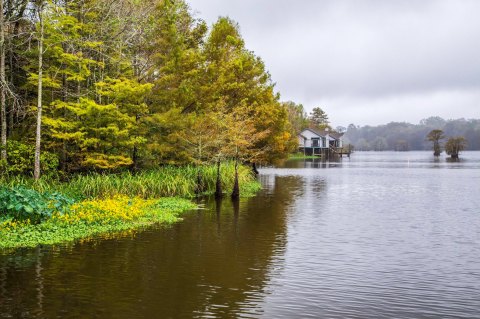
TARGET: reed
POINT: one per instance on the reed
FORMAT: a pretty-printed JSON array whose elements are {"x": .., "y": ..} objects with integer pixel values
[{"x": 167, "y": 181}]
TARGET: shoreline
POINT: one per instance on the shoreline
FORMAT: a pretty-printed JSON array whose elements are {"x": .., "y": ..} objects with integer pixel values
[{"x": 59, "y": 213}]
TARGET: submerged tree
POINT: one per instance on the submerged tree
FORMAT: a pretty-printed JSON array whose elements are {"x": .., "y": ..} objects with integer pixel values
[
  {"x": 454, "y": 145},
  {"x": 435, "y": 136}
]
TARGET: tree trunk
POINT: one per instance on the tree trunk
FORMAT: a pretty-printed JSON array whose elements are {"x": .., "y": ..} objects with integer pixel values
[
  {"x": 63, "y": 159},
  {"x": 218, "y": 185},
  {"x": 13, "y": 68},
  {"x": 135, "y": 149},
  {"x": 236, "y": 187},
  {"x": 254, "y": 169},
  {"x": 134, "y": 166},
  {"x": 3, "y": 83},
  {"x": 198, "y": 186},
  {"x": 36, "y": 172},
  {"x": 436, "y": 148}
]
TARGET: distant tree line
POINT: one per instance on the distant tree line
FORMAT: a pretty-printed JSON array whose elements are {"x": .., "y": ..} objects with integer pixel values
[{"x": 400, "y": 136}]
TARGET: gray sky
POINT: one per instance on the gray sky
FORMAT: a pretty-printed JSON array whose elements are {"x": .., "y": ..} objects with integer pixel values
[{"x": 363, "y": 61}]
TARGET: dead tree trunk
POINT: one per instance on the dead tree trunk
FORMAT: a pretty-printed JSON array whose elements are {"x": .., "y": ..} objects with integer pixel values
[{"x": 3, "y": 83}]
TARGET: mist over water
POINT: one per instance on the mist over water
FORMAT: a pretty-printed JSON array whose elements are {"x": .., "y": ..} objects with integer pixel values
[{"x": 379, "y": 235}]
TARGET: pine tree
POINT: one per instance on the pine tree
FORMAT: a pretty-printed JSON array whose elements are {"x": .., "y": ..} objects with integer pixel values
[{"x": 319, "y": 119}]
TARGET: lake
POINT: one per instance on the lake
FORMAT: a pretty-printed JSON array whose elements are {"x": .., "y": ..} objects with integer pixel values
[{"x": 377, "y": 235}]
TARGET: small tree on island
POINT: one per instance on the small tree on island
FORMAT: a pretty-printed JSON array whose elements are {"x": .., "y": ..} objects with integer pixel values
[
  {"x": 435, "y": 136},
  {"x": 455, "y": 145}
]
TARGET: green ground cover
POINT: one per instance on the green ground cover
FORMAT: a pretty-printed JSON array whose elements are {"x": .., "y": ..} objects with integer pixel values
[
  {"x": 302, "y": 156},
  {"x": 51, "y": 212}
]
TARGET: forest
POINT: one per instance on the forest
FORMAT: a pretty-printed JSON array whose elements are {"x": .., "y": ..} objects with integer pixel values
[
  {"x": 399, "y": 136},
  {"x": 106, "y": 86},
  {"x": 115, "y": 113}
]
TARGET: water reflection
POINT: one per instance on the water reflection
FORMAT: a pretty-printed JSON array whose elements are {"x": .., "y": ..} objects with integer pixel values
[
  {"x": 314, "y": 163},
  {"x": 414, "y": 159},
  {"x": 217, "y": 263}
]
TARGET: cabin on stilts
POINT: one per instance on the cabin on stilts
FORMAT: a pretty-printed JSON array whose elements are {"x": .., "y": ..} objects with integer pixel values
[{"x": 325, "y": 144}]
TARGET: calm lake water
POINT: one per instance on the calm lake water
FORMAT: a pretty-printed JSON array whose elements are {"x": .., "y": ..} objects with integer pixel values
[{"x": 379, "y": 235}]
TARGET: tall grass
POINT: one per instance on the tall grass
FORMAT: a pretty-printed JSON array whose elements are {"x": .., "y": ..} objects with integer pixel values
[{"x": 162, "y": 182}]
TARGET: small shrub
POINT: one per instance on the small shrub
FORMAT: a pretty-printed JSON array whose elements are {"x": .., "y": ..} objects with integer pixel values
[{"x": 21, "y": 158}]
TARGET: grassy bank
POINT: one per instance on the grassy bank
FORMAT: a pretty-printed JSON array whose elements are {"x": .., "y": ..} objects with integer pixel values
[
  {"x": 51, "y": 212},
  {"x": 301, "y": 156},
  {"x": 167, "y": 181}
]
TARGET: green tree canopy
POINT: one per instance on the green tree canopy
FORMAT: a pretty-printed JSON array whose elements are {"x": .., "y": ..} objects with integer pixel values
[
  {"x": 318, "y": 118},
  {"x": 455, "y": 145},
  {"x": 435, "y": 136}
]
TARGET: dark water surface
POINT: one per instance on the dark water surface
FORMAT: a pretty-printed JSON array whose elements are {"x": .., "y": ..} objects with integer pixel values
[{"x": 380, "y": 235}]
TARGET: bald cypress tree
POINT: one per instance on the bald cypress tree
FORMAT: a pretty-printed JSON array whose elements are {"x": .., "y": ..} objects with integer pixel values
[
  {"x": 435, "y": 136},
  {"x": 455, "y": 145}
]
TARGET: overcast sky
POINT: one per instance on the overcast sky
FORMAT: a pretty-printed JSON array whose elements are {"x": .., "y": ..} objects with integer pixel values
[{"x": 366, "y": 62}]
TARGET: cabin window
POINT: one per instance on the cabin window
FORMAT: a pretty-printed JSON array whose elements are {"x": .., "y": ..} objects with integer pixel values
[{"x": 315, "y": 142}]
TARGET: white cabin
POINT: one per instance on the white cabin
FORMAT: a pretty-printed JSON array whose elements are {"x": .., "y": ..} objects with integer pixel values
[{"x": 313, "y": 142}]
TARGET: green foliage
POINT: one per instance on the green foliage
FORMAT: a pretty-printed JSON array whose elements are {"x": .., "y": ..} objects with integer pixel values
[
  {"x": 14, "y": 235},
  {"x": 296, "y": 116},
  {"x": 163, "y": 182},
  {"x": 435, "y": 136},
  {"x": 137, "y": 85},
  {"x": 21, "y": 203},
  {"x": 455, "y": 145},
  {"x": 166, "y": 181},
  {"x": 36, "y": 213},
  {"x": 21, "y": 158},
  {"x": 301, "y": 156},
  {"x": 319, "y": 118}
]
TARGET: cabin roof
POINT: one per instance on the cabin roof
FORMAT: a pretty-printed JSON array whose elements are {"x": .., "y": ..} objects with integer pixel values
[{"x": 335, "y": 135}]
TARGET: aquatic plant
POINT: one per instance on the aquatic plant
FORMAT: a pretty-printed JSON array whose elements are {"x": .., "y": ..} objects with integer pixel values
[
  {"x": 166, "y": 181},
  {"x": 49, "y": 211},
  {"x": 21, "y": 203},
  {"x": 91, "y": 218}
]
